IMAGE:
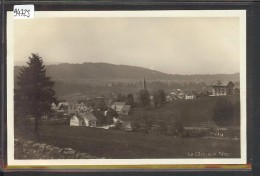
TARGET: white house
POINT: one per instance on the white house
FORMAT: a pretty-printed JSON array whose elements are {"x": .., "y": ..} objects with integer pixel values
[
  {"x": 190, "y": 96},
  {"x": 83, "y": 119}
]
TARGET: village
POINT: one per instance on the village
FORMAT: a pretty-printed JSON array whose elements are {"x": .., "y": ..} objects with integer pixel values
[{"x": 116, "y": 111}]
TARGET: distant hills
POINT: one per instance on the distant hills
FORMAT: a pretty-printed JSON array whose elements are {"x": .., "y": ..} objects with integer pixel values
[{"x": 110, "y": 72}]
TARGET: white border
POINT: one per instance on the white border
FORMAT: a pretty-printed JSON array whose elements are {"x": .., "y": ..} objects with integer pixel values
[{"x": 241, "y": 14}]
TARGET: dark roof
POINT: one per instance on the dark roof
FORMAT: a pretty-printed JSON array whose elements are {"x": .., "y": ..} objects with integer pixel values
[
  {"x": 222, "y": 84},
  {"x": 86, "y": 115}
]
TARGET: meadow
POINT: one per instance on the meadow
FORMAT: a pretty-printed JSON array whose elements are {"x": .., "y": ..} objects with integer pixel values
[
  {"x": 197, "y": 111},
  {"x": 121, "y": 144}
]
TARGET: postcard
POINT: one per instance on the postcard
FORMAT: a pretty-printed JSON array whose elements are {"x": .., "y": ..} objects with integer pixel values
[{"x": 156, "y": 87}]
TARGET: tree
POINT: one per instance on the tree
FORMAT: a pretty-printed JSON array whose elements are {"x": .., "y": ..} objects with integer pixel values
[
  {"x": 111, "y": 113},
  {"x": 35, "y": 93},
  {"x": 130, "y": 99},
  {"x": 159, "y": 97},
  {"x": 120, "y": 97},
  {"x": 144, "y": 97},
  {"x": 100, "y": 104},
  {"x": 101, "y": 119},
  {"x": 223, "y": 112}
]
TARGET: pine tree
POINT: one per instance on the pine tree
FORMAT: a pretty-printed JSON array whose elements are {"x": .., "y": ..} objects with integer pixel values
[{"x": 35, "y": 93}]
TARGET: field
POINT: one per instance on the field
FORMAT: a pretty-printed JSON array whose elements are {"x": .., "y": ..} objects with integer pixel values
[
  {"x": 195, "y": 111},
  {"x": 120, "y": 144}
]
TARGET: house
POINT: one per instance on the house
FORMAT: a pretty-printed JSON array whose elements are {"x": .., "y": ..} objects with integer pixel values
[
  {"x": 118, "y": 106},
  {"x": 125, "y": 110},
  {"x": 81, "y": 107},
  {"x": 83, "y": 119},
  {"x": 121, "y": 108},
  {"x": 176, "y": 91},
  {"x": 190, "y": 96},
  {"x": 176, "y": 94},
  {"x": 74, "y": 106},
  {"x": 222, "y": 88}
]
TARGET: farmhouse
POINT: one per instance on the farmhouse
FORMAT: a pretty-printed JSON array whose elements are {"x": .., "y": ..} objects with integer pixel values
[
  {"x": 81, "y": 107},
  {"x": 222, "y": 88},
  {"x": 83, "y": 119},
  {"x": 74, "y": 106}
]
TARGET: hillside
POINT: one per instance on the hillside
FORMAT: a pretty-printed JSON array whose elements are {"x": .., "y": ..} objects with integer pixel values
[
  {"x": 93, "y": 79},
  {"x": 105, "y": 71}
]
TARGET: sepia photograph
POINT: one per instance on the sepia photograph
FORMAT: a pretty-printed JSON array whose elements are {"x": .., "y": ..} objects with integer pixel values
[{"x": 127, "y": 88}]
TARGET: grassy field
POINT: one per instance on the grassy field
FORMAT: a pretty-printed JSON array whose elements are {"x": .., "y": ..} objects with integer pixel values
[
  {"x": 120, "y": 144},
  {"x": 187, "y": 111}
]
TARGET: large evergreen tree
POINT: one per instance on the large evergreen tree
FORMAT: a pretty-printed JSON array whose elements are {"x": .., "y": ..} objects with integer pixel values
[{"x": 35, "y": 93}]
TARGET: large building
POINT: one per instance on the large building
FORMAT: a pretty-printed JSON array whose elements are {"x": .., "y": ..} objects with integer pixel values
[{"x": 222, "y": 88}]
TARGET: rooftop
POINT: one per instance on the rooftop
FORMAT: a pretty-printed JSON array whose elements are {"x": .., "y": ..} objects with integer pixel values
[
  {"x": 222, "y": 83},
  {"x": 86, "y": 115}
]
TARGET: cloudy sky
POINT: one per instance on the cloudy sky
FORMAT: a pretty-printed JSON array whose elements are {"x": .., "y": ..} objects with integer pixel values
[{"x": 169, "y": 44}]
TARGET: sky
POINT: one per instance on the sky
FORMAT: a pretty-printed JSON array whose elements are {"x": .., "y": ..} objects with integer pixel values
[{"x": 175, "y": 45}]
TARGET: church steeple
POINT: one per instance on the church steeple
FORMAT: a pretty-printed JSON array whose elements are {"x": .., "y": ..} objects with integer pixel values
[{"x": 144, "y": 84}]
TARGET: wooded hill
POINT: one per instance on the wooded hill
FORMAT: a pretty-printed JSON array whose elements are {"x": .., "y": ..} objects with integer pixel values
[
  {"x": 94, "y": 79},
  {"x": 105, "y": 71}
]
